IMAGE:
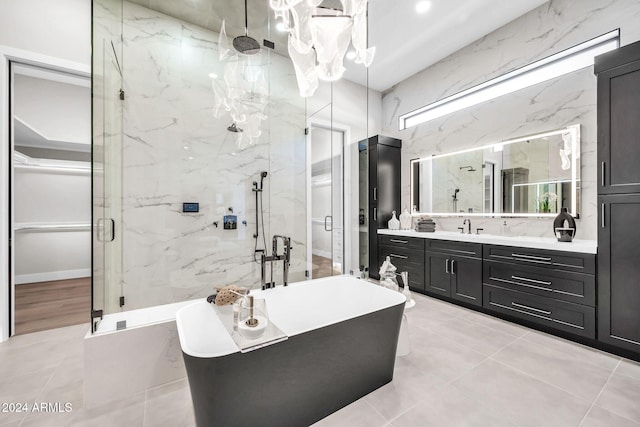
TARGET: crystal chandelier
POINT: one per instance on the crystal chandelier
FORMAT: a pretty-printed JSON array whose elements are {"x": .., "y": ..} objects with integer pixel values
[
  {"x": 242, "y": 91},
  {"x": 319, "y": 38}
]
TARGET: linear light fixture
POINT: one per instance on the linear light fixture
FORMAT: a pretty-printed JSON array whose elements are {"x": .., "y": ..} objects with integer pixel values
[{"x": 561, "y": 63}]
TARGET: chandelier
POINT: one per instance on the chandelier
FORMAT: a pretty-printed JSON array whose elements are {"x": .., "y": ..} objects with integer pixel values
[
  {"x": 319, "y": 38},
  {"x": 242, "y": 91}
]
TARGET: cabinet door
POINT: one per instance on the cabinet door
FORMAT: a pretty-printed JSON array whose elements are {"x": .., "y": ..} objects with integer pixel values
[
  {"x": 619, "y": 271},
  {"x": 618, "y": 129},
  {"x": 438, "y": 278},
  {"x": 466, "y": 280}
]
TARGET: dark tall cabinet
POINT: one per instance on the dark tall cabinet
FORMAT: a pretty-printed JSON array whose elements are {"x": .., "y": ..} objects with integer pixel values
[
  {"x": 619, "y": 197},
  {"x": 383, "y": 189}
]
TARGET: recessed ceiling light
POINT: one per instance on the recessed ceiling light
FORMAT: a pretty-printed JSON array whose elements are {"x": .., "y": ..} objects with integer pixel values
[
  {"x": 280, "y": 27},
  {"x": 213, "y": 75},
  {"x": 423, "y": 6},
  {"x": 351, "y": 55}
]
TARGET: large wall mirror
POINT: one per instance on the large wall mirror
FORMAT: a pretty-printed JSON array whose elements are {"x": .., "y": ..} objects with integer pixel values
[{"x": 534, "y": 175}]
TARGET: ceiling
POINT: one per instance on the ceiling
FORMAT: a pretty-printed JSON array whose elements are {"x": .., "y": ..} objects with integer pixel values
[{"x": 406, "y": 42}]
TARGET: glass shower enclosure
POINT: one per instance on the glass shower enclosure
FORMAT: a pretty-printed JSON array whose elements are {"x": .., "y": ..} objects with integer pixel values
[{"x": 174, "y": 160}]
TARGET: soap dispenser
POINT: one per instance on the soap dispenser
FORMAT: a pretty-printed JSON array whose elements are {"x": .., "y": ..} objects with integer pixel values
[
  {"x": 394, "y": 224},
  {"x": 405, "y": 220}
]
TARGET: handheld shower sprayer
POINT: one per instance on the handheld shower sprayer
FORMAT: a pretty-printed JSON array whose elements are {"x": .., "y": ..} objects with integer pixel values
[{"x": 263, "y": 175}]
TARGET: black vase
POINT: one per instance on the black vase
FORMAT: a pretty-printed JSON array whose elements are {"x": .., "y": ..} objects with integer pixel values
[{"x": 564, "y": 233}]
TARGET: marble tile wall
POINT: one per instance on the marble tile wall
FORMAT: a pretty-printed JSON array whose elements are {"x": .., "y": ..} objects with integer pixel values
[
  {"x": 175, "y": 151},
  {"x": 567, "y": 100}
]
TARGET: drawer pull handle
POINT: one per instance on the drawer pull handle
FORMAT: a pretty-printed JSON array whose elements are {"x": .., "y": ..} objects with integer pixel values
[
  {"x": 399, "y": 241},
  {"x": 398, "y": 256},
  {"x": 531, "y": 257},
  {"x": 446, "y": 266},
  {"x": 453, "y": 271},
  {"x": 530, "y": 308},
  {"x": 539, "y": 282}
]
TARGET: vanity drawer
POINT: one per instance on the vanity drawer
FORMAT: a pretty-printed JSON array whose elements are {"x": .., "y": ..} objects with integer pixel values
[
  {"x": 573, "y": 287},
  {"x": 401, "y": 242},
  {"x": 568, "y": 261},
  {"x": 402, "y": 256},
  {"x": 561, "y": 315},
  {"x": 473, "y": 250}
]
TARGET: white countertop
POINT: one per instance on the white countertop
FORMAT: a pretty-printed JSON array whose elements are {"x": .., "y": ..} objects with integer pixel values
[
  {"x": 295, "y": 309},
  {"x": 550, "y": 243}
]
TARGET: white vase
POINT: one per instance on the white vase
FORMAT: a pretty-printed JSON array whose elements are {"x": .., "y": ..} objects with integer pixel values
[
  {"x": 405, "y": 220},
  {"x": 394, "y": 224}
]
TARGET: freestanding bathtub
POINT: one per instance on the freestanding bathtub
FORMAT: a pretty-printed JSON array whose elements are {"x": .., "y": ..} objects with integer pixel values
[{"x": 342, "y": 337}]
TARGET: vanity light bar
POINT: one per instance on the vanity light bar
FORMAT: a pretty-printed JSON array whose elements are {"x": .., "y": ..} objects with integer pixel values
[{"x": 561, "y": 63}]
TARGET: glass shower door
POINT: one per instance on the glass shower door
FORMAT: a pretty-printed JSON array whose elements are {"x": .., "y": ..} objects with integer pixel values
[{"x": 107, "y": 105}]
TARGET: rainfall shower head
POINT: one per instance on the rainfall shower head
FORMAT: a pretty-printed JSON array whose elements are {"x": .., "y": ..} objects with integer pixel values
[
  {"x": 233, "y": 128},
  {"x": 245, "y": 44},
  {"x": 468, "y": 168}
]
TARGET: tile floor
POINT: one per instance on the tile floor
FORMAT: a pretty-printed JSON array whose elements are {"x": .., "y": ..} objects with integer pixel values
[{"x": 465, "y": 369}]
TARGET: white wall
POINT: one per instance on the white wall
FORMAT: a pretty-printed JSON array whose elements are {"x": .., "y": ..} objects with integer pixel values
[
  {"x": 44, "y": 197},
  {"x": 38, "y": 32},
  {"x": 564, "y": 101},
  {"x": 58, "y": 111},
  {"x": 60, "y": 28}
]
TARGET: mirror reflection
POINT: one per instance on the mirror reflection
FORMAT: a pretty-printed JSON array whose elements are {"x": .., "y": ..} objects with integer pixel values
[{"x": 533, "y": 175}]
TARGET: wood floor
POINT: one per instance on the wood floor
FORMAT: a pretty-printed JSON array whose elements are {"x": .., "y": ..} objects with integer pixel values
[
  {"x": 49, "y": 305},
  {"x": 323, "y": 267}
]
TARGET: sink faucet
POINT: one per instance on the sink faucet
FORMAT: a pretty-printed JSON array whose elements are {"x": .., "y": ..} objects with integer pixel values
[
  {"x": 285, "y": 257},
  {"x": 467, "y": 222}
]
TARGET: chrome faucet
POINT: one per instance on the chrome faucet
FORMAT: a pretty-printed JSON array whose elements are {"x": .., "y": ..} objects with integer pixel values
[
  {"x": 467, "y": 222},
  {"x": 285, "y": 257}
]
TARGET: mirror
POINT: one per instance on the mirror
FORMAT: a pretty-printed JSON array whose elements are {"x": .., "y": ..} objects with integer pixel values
[{"x": 534, "y": 175}]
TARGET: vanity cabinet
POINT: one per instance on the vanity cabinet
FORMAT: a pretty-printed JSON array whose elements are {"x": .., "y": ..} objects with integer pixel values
[
  {"x": 551, "y": 288},
  {"x": 618, "y": 94},
  {"x": 383, "y": 156},
  {"x": 454, "y": 270},
  {"x": 619, "y": 197},
  {"x": 407, "y": 254}
]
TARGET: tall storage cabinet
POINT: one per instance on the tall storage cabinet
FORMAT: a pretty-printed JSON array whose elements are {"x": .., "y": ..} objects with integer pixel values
[
  {"x": 619, "y": 197},
  {"x": 383, "y": 190}
]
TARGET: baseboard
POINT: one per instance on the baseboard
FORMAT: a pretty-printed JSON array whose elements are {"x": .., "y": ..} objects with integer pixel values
[{"x": 50, "y": 276}]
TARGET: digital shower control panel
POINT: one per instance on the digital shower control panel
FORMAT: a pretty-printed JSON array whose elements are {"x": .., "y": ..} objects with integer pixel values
[{"x": 191, "y": 207}]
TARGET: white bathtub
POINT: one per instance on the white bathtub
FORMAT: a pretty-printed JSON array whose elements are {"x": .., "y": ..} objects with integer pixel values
[{"x": 342, "y": 337}]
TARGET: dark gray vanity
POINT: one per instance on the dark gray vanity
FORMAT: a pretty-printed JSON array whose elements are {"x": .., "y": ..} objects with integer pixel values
[{"x": 554, "y": 289}]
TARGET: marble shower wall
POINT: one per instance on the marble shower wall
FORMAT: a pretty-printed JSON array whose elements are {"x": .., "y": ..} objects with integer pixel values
[
  {"x": 175, "y": 151},
  {"x": 567, "y": 100}
]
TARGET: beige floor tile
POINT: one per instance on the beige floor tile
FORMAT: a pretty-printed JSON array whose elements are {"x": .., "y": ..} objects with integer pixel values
[
  {"x": 33, "y": 357},
  {"x": 65, "y": 385},
  {"x": 169, "y": 405},
  {"x": 495, "y": 323},
  {"x": 520, "y": 398},
  {"x": 441, "y": 358},
  {"x": 598, "y": 417},
  {"x": 580, "y": 352},
  {"x": 475, "y": 336},
  {"x": 448, "y": 407},
  {"x": 629, "y": 368},
  {"x": 358, "y": 414},
  {"x": 409, "y": 387},
  {"x": 556, "y": 367},
  {"x": 621, "y": 395}
]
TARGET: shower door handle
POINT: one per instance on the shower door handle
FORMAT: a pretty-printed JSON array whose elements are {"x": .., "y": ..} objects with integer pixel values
[
  {"x": 328, "y": 225},
  {"x": 105, "y": 230}
]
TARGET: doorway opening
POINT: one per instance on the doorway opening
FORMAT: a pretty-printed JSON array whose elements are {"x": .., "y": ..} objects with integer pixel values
[
  {"x": 327, "y": 203},
  {"x": 50, "y": 198}
]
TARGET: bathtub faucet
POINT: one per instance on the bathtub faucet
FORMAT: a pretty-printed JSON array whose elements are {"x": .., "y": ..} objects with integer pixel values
[{"x": 285, "y": 258}]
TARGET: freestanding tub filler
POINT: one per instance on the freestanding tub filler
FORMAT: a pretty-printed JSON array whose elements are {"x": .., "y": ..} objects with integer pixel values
[{"x": 341, "y": 343}]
